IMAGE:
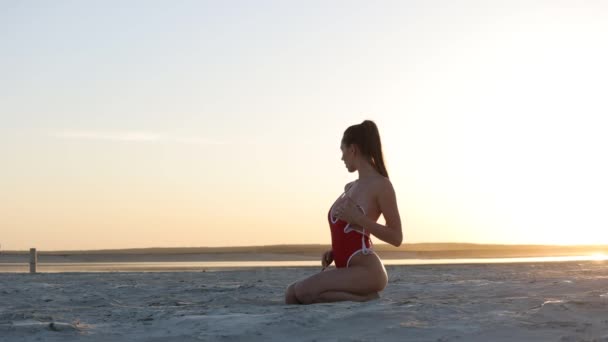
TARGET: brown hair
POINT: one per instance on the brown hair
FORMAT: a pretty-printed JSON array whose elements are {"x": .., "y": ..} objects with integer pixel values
[{"x": 366, "y": 136}]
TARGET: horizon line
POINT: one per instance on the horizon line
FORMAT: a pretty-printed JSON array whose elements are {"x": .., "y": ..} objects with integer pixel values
[{"x": 305, "y": 245}]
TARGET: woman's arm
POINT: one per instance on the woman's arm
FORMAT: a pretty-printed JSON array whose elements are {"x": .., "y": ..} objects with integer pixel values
[{"x": 387, "y": 201}]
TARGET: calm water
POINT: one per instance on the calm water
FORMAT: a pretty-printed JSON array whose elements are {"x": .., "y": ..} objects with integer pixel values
[{"x": 219, "y": 265}]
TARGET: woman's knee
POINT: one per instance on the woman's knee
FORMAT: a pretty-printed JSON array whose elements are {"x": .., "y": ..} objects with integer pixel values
[
  {"x": 303, "y": 295},
  {"x": 290, "y": 295}
]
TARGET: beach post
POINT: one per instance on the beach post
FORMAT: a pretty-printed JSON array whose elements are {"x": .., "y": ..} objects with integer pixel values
[{"x": 33, "y": 260}]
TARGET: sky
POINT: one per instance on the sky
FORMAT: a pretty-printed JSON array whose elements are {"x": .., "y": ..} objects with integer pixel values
[{"x": 218, "y": 123}]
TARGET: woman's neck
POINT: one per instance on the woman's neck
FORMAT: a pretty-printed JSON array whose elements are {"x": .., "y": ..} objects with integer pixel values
[{"x": 366, "y": 170}]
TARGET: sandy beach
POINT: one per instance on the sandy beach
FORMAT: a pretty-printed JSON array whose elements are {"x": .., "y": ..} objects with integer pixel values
[{"x": 556, "y": 301}]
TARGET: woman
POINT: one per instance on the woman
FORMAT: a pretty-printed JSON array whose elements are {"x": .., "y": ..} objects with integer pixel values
[{"x": 359, "y": 274}]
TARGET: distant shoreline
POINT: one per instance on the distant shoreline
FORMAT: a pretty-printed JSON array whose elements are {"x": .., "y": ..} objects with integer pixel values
[{"x": 302, "y": 252}]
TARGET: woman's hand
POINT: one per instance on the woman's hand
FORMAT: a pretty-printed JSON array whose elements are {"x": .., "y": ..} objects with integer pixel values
[
  {"x": 349, "y": 211},
  {"x": 327, "y": 259}
]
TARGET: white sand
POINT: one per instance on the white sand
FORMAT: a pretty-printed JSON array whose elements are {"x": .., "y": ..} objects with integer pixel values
[{"x": 565, "y": 301}]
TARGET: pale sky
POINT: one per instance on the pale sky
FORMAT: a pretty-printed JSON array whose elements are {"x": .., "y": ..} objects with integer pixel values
[{"x": 218, "y": 123}]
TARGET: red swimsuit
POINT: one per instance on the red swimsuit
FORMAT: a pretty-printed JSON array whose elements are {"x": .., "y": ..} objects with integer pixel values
[{"x": 345, "y": 241}]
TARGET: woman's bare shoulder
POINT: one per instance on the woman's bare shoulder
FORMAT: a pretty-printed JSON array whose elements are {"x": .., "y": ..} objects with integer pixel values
[
  {"x": 382, "y": 185},
  {"x": 348, "y": 185}
]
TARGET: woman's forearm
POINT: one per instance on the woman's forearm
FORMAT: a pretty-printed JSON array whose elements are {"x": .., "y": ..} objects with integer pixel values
[{"x": 382, "y": 232}]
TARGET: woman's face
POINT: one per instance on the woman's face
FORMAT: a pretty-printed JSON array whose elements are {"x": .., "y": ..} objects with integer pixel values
[{"x": 348, "y": 153}]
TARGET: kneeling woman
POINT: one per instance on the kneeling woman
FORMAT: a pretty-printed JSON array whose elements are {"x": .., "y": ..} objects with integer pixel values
[{"x": 359, "y": 274}]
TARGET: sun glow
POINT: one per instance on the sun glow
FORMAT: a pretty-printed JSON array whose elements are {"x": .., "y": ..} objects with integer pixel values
[{"x": 599, "y": 256}]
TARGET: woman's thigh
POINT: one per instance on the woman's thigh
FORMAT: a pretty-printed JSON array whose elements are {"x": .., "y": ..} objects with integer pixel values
[{"x": 356, "y": 280}]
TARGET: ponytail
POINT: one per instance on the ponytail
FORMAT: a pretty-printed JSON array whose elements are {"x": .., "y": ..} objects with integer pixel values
[{"x": 367, "y": 137}]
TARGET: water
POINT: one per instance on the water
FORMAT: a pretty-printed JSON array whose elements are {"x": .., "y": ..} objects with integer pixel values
[{"x": 211, "y": 265}]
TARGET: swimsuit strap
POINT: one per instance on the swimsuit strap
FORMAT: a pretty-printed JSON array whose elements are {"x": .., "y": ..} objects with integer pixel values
[{"x": 364, "y": 249}]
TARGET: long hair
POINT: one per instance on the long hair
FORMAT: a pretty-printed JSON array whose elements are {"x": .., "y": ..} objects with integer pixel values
[{"x": 366, "y": 136}]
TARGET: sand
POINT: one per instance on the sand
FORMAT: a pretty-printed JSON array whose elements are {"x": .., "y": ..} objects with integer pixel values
[{"x": 565, "y": 301}]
